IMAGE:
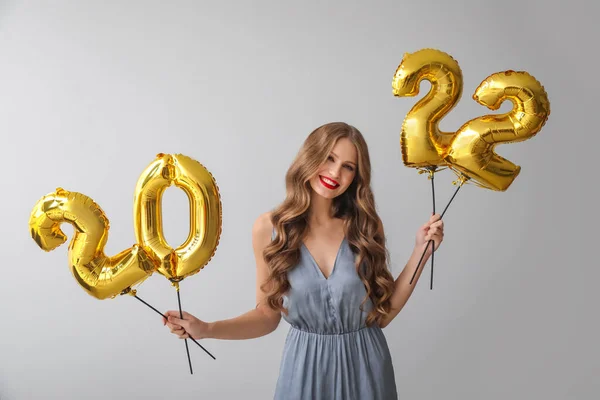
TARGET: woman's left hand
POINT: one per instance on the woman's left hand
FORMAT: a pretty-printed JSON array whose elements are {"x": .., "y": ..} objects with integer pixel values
[{"x": 432, "y": 230}]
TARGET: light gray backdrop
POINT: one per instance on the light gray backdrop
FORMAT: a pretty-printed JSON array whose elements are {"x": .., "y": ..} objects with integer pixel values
[{"x": 91, "y": 91}]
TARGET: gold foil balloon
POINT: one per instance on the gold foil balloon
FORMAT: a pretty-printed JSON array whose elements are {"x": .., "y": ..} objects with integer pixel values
[
  {"x": 422, "y": 143},
  {"x": 100, "y": 275},
  {"x": 205, "y": 214},
  {"x": 472, "y": 149}
]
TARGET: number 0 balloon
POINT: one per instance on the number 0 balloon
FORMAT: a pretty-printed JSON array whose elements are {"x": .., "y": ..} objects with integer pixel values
[{"x": 205, "y": 214}]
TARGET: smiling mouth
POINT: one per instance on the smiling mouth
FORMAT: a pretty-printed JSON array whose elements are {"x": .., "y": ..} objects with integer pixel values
[{"x": 328, "y": 183}]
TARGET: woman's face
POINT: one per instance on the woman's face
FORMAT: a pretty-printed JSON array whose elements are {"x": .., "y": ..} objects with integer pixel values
[{"x": 337, "y": 173}]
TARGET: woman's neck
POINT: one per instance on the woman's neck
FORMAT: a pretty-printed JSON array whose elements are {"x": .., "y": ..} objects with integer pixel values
[{"x": 320, "y": 213}]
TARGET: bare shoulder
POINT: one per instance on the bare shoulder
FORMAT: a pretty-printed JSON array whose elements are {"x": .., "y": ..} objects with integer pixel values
[{"x": 262, "y": 230}]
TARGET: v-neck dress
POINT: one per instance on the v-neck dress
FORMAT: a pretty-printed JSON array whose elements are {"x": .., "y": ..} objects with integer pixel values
[{"x": 329, "y": 352}]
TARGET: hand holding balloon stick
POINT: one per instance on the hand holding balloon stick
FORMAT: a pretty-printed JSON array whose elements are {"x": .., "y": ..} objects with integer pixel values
[
  {"x": 133, "y": 293},
  {"x": 422, "y": 143},
  {"x": 469, "y": 152},
  {"x": 461, "y": 181},
  {"x": 205, "y": 218},
  {"x": 103, "y": 276}
]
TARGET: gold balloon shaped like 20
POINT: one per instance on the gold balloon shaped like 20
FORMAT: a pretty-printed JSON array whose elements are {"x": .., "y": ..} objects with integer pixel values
[
  {"x": 205, "y": 215},
  {"x": 472, "y": 149},
  {"x": 100, "y": 276},
  {"x": 105, "y": 277},
  {"x": 422, "y": 143}
]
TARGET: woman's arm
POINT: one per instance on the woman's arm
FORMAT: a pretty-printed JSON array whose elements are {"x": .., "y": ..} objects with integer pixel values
[
  {"x": 255, "y": 323},
  {"x": 262, "y": 320},
  {"x": 403, "y": 289}
]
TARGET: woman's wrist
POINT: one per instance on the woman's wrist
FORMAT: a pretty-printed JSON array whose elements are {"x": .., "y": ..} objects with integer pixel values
[
  {"x": 418, "y": 252},
  {"x": 210, "y": 330}
]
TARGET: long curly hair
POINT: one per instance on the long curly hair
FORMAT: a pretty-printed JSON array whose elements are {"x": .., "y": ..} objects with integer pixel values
[{"x": 356, "y": 206}]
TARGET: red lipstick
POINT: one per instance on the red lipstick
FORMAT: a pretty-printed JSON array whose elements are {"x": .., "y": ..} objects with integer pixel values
[{"x": 327, "y": 182}]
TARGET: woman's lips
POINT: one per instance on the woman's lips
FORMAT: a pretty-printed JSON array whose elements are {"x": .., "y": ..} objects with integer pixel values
[{"x": 328, "y": 182}]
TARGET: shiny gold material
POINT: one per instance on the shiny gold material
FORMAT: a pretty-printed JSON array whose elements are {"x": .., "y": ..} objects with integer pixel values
[
  {"x": 106, "y": 277},
  {"x": 472, "y": 150},
  {"x": 99, "y": 275},
  {"x": 421, "y": 141},
  {"x": 205, "y": 214}
]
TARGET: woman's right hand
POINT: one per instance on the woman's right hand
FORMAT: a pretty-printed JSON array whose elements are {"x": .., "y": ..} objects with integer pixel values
[{"x": 187, "y": 327}]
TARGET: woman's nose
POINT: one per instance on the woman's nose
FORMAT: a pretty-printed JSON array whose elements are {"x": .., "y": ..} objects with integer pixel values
[{"x": 335, "y": 171}]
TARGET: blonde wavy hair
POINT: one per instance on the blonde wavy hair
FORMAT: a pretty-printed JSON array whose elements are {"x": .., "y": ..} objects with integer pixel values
[{"x": 356, "y": 206}]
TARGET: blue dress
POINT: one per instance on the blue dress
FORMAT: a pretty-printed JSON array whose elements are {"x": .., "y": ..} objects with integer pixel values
[{"x": 329, "y": 352}]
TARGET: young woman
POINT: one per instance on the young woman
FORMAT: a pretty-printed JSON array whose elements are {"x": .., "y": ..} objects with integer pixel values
[{"x": 321, "y": 262}]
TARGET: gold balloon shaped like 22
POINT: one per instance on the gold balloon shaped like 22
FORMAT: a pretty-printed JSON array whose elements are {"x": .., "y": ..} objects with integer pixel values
[
  {"x": 470, "y": 150},
  {"x": 100, "y": 276},
  {"x": 422, "y": 143},
  {"x": 205, "y": 215}
]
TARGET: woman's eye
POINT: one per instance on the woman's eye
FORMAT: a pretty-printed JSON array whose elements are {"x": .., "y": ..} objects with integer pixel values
[
  {"x": 349, "y": 167},
  {"x": 330, "y": 158}
]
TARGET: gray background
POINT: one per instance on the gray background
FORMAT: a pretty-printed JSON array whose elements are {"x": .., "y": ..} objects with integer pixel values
[{"x": 91, "y": 91}]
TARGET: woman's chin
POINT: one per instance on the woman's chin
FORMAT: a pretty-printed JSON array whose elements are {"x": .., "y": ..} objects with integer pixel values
[{"x": 326, "y": 193}]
